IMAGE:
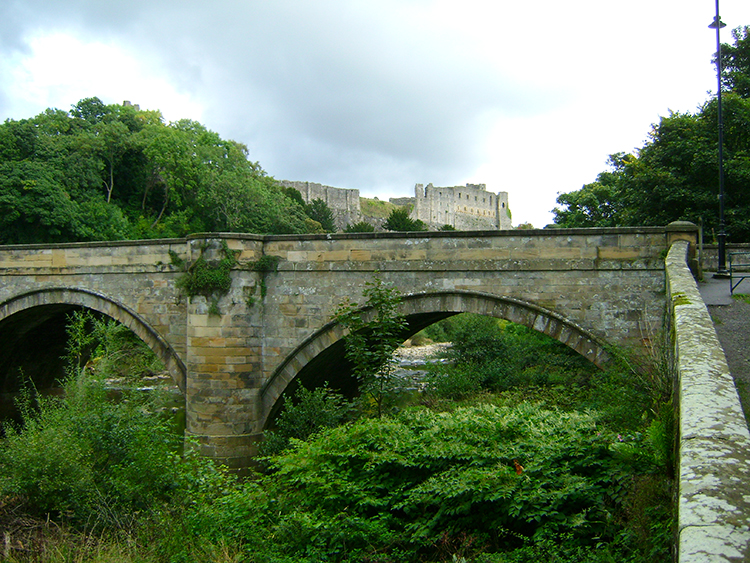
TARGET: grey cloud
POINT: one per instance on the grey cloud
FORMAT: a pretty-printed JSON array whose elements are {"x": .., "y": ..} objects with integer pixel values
[{"x": 329, "y": 91}]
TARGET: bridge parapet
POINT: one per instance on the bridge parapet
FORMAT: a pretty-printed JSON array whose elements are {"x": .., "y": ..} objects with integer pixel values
[{"x": 714, "y": 443}]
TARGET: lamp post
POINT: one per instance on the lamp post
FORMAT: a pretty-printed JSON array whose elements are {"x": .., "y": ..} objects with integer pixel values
[{"x": 717, "y": 24}]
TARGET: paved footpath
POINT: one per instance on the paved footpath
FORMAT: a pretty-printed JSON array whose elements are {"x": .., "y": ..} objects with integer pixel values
[{"x": 731, "y": 318}]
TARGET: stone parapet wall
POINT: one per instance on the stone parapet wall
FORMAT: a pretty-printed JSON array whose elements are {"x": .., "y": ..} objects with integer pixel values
[
  {"x": 709, "y": 255},
  {"x": 713, "y": 477}
]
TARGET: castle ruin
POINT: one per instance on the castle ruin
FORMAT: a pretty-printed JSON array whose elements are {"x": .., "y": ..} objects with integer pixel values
[
  {"x": 344, "y": 202},
  {"x": 466, "y": 208}
]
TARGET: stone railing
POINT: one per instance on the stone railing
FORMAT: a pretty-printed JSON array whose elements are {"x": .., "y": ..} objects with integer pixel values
[{"x": 713, "y": 477}]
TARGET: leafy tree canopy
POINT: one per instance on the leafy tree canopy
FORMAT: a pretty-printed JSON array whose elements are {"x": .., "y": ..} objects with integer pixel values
[
  {"x": 674, "y": 176},
  {"x": 359, "y": 227},
  {"x": 735, "y": 60},
  {"x": 114, "y": 172}
]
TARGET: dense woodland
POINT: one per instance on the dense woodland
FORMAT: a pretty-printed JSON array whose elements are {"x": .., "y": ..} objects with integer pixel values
[
  {"x": 111, "y": 172},
  {"x": 674, "y": 176}
]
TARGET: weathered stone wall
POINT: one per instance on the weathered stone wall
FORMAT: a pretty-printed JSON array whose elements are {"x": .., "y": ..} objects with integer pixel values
[
  {"x": 709, "y": 255},
  {"x": 714, "y": 444},
  {"x": 466, "y": 208},
  {"x": 344, "y": 202}
]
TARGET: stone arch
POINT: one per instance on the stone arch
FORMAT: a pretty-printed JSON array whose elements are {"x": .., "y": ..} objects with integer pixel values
[
  {"x": 102, "y": 304},
  {"x": 424, "y": 309}
]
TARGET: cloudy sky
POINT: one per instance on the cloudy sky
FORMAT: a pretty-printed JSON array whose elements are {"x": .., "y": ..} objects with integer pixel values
[{"x": 528, "y": 97}]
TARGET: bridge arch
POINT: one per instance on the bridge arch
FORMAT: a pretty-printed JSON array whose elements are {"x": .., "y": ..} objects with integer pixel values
[
  {"x": 107, "y": 306},
  {"x": 423, "y": 309}
]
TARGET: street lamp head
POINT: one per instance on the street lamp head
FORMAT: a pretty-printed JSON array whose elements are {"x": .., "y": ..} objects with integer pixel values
[{"x": 717, "y": 23}]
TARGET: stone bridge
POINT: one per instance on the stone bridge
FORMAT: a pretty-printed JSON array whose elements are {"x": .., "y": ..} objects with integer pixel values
[{"x": 233, "y": 358}]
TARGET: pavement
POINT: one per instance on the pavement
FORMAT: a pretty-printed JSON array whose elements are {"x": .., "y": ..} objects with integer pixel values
[
  {"x": 731, "y": 318},
  {"x": 715, "y": 291}
]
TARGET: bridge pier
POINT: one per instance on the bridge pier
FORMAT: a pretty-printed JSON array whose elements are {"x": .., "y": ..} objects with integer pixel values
[{"x": 223, "y": 383}]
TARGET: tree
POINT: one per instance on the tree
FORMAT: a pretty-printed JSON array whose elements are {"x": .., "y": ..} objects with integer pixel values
[
  {"x": 597, "y": 204},
  {"x": 735, "y": 61},
  {"x": 673, "y": 177},
  {"x": 399, "y": 220},
  {"x": 113, "y": 145},
  {"x": 91, "y": 110},
  {"x": 375, "y": 331},
  {"x": 111, "y": 172},
  {"x": 319, "y": 211}
]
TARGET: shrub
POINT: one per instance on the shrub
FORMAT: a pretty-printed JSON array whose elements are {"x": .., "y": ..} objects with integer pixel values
[
  {"x": 360, "y": 227},
  {"x": 499, "y": 475},
  {"x": 89, "y": 460},
  {"x": 399, "y": 220},
  {"x": 319, "y": 211},
  {"x": 304, "y": 414},
  {"x": 502, "y": 355}
]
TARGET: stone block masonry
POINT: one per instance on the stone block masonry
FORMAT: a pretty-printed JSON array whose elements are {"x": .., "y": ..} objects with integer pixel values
[{"x": 343, "y": 202}]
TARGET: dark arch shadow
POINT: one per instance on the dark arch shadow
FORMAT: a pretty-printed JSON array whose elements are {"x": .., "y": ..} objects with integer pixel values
[
  {"x": 20, "y": 312},
  {"x": 326, "y": 347}
]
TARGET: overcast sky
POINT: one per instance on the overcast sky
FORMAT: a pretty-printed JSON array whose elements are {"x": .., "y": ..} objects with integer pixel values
[{"x": 528, "y": 97}]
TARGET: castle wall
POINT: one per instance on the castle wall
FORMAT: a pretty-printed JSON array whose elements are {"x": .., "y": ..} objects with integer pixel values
[{"x": 344, "y": 202}]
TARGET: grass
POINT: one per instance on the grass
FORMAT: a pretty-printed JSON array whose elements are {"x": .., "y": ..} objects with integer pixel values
[
  {"x": 744, "y": 297},
  {"x": 376, "y": 208}
]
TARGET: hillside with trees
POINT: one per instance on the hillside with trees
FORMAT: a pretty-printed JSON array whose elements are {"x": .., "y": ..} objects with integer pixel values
[
  {"x": 112, "y": 172},
  {"x": 674, "y": 176}
]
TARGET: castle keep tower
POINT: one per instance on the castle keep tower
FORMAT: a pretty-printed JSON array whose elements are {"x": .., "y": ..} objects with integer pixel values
[{"x": 466, "y": 208}]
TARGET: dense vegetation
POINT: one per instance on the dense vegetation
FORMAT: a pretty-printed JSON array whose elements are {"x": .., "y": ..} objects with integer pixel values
[
  {"x": 674, "y": 176},
  {"x": 109, "y": 172},
  {"x": 516, "y": 450}
]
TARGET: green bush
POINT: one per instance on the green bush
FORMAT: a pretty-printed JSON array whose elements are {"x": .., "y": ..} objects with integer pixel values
[
  {"x": 399, "y": 220},
  {"x": 360, "y": 227},
  {"x": 306, "y": 412},
  {"x": 500, "y": 355},
  {"x": 500, "y": 476},
  {"x": 458, "y": 382},
  {"x": 87, "y": 459},
  {"x": 319, "y": 211},
  {"x": 91, "y": 461}
]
